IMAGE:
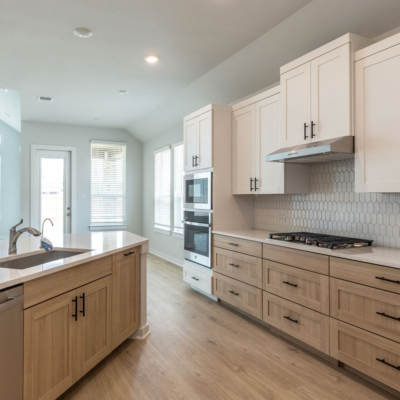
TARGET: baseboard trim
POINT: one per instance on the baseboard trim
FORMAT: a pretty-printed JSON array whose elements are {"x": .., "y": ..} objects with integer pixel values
[
  {"x": 141, "y": 333},
  {"x": 166, "y": 257}
]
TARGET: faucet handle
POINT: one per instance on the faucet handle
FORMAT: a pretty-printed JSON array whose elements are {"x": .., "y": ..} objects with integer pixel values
[{"x": 19, "y": 223}]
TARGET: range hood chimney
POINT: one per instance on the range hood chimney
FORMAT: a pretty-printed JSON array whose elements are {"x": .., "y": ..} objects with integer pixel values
[{"x": 326, "y": 150}]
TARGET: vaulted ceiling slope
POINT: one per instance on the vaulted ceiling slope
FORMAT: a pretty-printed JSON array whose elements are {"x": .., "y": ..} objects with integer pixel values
[
  {"x": 257, "y": 65},
  {"x": 41, "y": 56}
]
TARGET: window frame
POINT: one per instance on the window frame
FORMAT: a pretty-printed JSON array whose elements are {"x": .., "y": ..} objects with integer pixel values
[{"x": 174, "y": 232}]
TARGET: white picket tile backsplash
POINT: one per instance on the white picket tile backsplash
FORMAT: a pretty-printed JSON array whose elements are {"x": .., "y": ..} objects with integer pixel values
[{"x": 333, "y": 207}]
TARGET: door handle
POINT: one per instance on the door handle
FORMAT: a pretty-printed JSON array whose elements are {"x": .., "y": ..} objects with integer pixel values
[
  {"x": 255, "y": 184},
  {"x": 76, "y": 308},
  {"x": 251, "y": 184},
  {"x": 305, "y": 131},
  {"x": 68, "y": 214},
  {"x": 83, "y": 304},
  {"x": 312, "y": 130},
  {"x": 195, "y": 160}
]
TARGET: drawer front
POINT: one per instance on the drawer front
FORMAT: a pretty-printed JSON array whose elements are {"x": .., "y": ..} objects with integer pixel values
[
  {"x": 198, "y": 279},
  {"x": 302, "y": 323},
  {"x": 359, "y": 305},
  {"x": 239, "y": 294},
  {"x": 361, "y": 350},
  {"x": 240, "y": 245},
  {"x": 306, "y": 288},
  {"x": 367, "y": 274},
  {"x": 247, "y": 269},
  {"x": 126, "y": 254},
  {"x": 47, "y": 287},
  {"x": 297, "y": 258}
]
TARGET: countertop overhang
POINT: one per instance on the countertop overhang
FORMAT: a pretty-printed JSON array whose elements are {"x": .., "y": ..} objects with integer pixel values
[{"x": 95, "y": 244}]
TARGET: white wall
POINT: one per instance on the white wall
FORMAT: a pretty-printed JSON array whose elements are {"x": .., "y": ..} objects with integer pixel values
[
  {"x": 160, "y": 244},
  {"x": 79, "y": 137}
]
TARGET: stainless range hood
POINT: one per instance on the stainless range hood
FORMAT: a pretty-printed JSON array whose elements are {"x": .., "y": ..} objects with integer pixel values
[{"x": 326, "y": 150}]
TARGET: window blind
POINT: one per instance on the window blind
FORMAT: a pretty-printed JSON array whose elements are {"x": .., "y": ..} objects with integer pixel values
[
  {"x": 162, "y": 189},
  {"x": 108, "y": 183},
  {"x": 178, "y": 188}
]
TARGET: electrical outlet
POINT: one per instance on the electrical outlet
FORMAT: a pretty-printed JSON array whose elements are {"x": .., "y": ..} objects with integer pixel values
[{"x": 281, "y": 218}]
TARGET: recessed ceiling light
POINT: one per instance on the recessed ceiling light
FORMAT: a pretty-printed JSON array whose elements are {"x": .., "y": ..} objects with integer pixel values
[
  {"x": 123, "y": 92},
  {"x": 152, "y": 58},
  {"x": 83, "y": 33}
]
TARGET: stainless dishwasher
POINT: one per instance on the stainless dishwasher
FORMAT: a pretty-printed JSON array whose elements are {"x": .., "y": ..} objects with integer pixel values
[{"x": 11, "y": 342}]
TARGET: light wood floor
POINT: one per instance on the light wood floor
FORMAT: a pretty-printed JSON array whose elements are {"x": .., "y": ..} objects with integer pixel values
[{"x": 200, "y": 349}]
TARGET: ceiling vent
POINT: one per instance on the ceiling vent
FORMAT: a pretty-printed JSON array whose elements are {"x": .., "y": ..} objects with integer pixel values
[{"x": 44, "y": 99}]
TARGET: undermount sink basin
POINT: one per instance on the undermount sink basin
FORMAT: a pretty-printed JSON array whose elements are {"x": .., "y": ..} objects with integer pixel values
[{"x": 38, "y": 259}]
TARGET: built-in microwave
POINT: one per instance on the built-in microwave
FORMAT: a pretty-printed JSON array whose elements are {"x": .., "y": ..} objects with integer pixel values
[
  {"x": 197, "y": 226},
  {"x": 198, "y": 191}
]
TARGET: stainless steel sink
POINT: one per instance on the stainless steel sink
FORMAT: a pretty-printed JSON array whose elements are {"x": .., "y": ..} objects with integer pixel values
[{"x": 38, "y": 259}]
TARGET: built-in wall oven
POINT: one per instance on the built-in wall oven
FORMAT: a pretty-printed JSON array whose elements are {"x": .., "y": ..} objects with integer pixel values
[
  {"x": 197, "y": 237},
  {"x": 198, "y": 191}
]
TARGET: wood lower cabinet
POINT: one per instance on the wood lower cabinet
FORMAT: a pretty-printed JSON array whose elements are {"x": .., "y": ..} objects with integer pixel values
[{"x": 125, "y": 294}]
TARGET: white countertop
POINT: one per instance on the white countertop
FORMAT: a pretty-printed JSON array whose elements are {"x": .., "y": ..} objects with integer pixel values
[
  {"x": 386, "y": 256},
  {"x": 97, "y": 244}
]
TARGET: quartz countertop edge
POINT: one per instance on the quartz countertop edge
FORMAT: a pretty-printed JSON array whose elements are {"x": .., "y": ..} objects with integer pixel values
[
  {"x": 94, "y": 245},
  {"x": 379, "y": 255}
]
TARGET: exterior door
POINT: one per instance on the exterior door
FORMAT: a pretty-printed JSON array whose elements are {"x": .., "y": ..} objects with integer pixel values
[
  {"x": 204, "y": 129},
  {"x": 52, "y": 191},
  {"x": 191, "y": 143},
  {"x": 270, "y": 175},
  {"x": 377, "y": 161},
  {"x": 295, "y": 106},
  {"x": 331, "y": 94},
  {"x": 243, "y": 150},
  {"x": 94, "y": 327},
  {"x": 49, "y": 347}
]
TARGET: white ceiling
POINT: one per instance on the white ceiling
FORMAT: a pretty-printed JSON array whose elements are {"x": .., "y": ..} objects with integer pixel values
[{"x": 41, "y": 56}]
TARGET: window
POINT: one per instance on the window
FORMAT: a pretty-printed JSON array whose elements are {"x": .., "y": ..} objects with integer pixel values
[
  {"x": 108, "y": 183},
  {"x": 178, "y": 188},
  {"x": 162, "y": 190}
]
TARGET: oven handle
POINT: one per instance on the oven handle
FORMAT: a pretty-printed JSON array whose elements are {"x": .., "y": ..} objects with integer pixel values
[{"x": 196, "y": 224}]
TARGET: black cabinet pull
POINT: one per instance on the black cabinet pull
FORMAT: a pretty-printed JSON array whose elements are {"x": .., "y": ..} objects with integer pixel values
[
  {"x": 236, "y": 294},
  {"x": 193, "y": 161},
  {"x": 305, "y": 131},
  {"x": 196, "y": 279},
  {"x": 196, "y": 164},
  {"x": 312, "y": 130},
  {"x": 255, "y": 184},
  {"x": 130, "y": 253},
  {"x": 288, "y": 283},
  {"x": 387, "y": 280},
  {"x": 387, "y": 316},
  {"x": 233, "y": 244},
  {"x": 386, "y": 363},
  {"x": 76, "y": 308},
  {"x": 233, "y": 265},
  {"x": 290, "y": 319},
  {"x": 83, "y": 304},
  {"x": 251, "y": 184}
]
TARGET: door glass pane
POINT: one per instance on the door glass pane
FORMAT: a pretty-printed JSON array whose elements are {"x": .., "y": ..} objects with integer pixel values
[
  {"x": 197, "y": 191},
  {"x": 197, "y": 239},
  {"x": 52, "y": 194}
]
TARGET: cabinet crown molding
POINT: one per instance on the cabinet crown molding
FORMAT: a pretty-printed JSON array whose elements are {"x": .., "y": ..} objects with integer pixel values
[{"x": 207, "y": 108}]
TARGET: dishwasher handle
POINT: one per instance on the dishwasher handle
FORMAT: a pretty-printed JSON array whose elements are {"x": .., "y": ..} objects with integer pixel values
[{"x": 12, "y": 301}]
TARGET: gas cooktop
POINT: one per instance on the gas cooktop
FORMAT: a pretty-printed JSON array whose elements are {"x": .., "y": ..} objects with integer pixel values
[{"x": 317, "y": 239}]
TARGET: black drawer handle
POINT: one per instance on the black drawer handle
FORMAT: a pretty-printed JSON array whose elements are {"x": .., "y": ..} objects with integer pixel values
[
  {"x": 386, "y": 363},
  {"x": 387, "y": 280},
  {"x": 196, "y": 279},
  {"x": 132, "y": 252},
  {"x": 387, "y": 316},
  {"x": 233, "y": 265},
  {"x": 305, "y": 131},
  {"x": 83, "y": 304},
  {"x": 288, "y": 283},
  {"x": 236, "y": 294},
  {"x": 76, "y": 308},
  {"x": 290, "y": 319},
  {"x": 233, "y": 244}
]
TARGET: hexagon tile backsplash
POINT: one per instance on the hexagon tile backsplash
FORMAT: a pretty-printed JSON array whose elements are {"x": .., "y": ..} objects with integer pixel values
[{"x": 333, "y": 207}]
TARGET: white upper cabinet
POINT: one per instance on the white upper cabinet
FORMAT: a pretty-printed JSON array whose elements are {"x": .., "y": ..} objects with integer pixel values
[
  {"x": 205, "y": 148},
  {"x": 190, "y": 140},
  {"x": 317, "y": 93},
  {"x": 377, "y": 86}
]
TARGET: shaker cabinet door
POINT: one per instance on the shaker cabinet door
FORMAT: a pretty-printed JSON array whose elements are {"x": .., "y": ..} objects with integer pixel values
[
  {"x": 191, "y": 144},
  {"x": 205, "y": 142}
]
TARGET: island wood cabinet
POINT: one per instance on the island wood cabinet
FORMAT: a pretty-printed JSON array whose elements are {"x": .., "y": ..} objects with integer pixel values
[
  {"x": 67, "y": 335},
  {"x": 316, "y": 93},
  {"x": 377, "y": 96},
  {"x": 255, "y": 134}
]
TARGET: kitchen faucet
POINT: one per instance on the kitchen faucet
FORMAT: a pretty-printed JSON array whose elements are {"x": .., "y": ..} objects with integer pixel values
[
  {"x": 47, "y": 219},
  {"x": 14, "y": 235}
]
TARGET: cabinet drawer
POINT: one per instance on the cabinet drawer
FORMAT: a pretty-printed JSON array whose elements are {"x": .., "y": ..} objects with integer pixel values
[
  {"x": 239, "y": 266},
  {"x": 359, "y": 305},
  {"x": 302, "y": 323},
  {"x": 239, "y": 294},
  {"x": 306, "y": 288},
  {"x": 240, "y": 245},
  {"x": 361, "y": 350},
  {"x": 200, "y": 280},
  {"x": 297, "y": 258},
  {"x": 385, "y": 278}
]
